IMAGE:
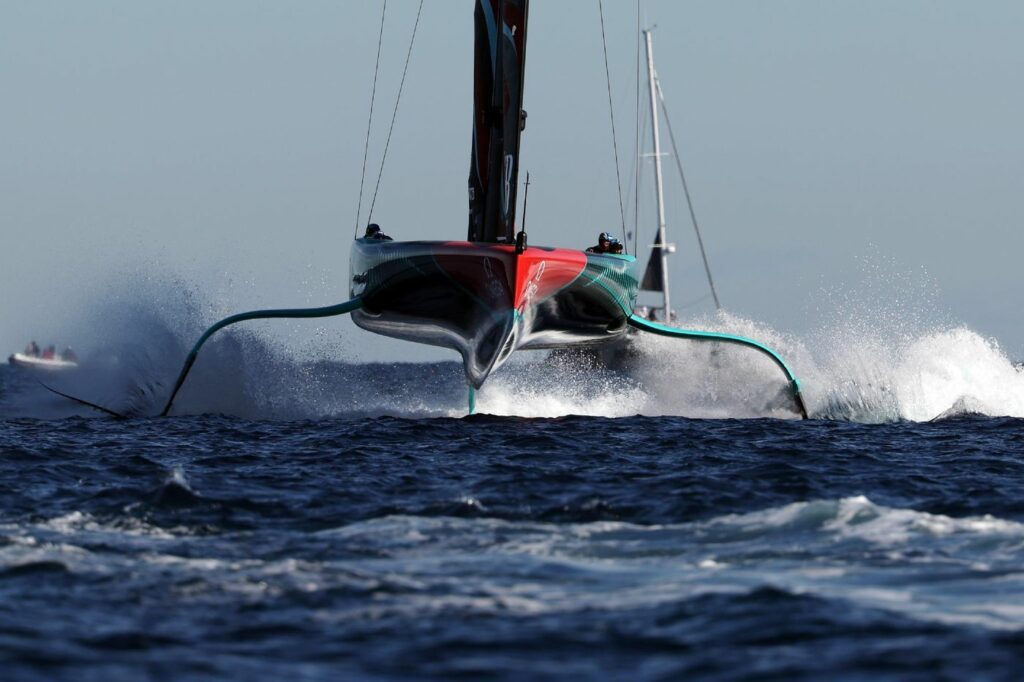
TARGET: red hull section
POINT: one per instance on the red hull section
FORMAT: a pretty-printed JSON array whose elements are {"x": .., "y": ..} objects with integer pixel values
[{"x": 530, "y": 277}]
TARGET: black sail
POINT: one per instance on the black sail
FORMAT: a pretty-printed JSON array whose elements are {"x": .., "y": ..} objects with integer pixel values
[
  {"x": 653, "y": 278},
  {"x": 498, "y": 118}
]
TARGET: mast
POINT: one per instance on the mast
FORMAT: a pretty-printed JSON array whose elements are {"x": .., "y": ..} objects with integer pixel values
[
  {"x": 661, "y": 248},
  {"x": 498, "y": 118}
]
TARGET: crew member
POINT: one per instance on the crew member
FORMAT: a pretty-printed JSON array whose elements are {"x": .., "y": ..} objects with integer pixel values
[
  {"x": 373, "y": 232},
  {"x": 606, "y": 243}
]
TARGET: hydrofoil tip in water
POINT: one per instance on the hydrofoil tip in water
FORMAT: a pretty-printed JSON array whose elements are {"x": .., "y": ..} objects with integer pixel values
[{"x": 86, "y": 403}]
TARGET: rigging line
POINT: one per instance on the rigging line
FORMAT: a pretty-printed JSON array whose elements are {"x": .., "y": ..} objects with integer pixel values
[
  {"x": 394, "y": 114},
  {"x": 636, "y": 161},
  {"x": 639, "y": 180},
  {"x": 611, "y": 115},
  {"x": 689, "y": 203},
  {"x": 634, "y": 180},
  {"x": 694, "y": 301},
  {"x": 369, "y": 123},
  {"x": 629, "y": 184}
]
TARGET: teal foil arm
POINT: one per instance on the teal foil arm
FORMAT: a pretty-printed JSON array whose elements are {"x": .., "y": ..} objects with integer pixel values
[
  {"x": 326, "y": 311},
  {"x": 664, "y": 330}
]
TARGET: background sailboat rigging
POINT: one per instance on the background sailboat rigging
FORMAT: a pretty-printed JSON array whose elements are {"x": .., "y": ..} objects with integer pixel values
[{"x": 656, "y": 273}]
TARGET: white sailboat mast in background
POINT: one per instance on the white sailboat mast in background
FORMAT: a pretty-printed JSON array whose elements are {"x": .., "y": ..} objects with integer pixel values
[{"x": 660, "y": 250}]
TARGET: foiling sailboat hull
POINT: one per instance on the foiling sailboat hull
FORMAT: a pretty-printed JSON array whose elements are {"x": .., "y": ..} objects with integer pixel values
[
  {"x": 485, "y": 300},
  {"x": 490, "y": 295}
]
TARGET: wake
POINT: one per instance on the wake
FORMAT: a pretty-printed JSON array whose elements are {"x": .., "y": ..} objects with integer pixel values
[{"x": 132, "y": 349}]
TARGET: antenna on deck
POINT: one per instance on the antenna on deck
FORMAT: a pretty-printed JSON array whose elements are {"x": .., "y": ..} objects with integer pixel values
[{"x": 521, "y": 237}]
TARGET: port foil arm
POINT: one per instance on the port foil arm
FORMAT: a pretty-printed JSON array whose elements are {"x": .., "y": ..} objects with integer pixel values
[{"x": 326, "y": 311}]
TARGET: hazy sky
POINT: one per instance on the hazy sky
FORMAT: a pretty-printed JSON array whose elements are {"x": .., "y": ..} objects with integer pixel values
[{"x": 221, "y": 143}]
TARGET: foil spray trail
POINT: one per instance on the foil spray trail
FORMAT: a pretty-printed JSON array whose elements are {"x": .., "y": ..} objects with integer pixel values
[
  {"x": 133, "y": 335},
  {"x": 132, "y": 346}
]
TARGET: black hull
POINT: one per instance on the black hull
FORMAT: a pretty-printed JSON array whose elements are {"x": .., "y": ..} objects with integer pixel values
[{"x": 486, "y": 301}]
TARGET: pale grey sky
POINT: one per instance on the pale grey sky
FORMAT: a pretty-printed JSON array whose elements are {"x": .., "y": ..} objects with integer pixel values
[{"x": 221, "y": 143}]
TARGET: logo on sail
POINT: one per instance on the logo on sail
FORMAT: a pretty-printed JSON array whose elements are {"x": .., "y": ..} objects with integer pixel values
[{"x": 506, "y": 191}]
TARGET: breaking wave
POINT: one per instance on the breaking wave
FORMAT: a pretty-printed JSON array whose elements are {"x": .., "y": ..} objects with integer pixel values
[
  {"x": 848, "y": 549},
  {"x": 846, "y": 375}
]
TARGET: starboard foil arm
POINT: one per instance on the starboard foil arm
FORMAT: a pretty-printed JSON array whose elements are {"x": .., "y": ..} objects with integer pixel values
[
  {"x": 664, "y": 330},
  {"x": 326, "y": 311}
]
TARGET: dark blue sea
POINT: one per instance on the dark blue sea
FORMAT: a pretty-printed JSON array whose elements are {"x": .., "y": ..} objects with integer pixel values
[{"x": 324, "y": 521}]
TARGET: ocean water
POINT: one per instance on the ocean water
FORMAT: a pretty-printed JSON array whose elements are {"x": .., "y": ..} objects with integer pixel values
[{"x": 317, "y": 520}]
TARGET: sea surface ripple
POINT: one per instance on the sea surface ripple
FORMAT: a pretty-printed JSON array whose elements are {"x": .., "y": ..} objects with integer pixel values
[{"x": 214, "y": 546}]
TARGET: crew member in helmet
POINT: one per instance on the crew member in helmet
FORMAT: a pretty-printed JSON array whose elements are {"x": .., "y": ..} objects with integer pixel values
[
  {"x": 606, "y": 243},
  {"x": 373, "y": 232}
]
